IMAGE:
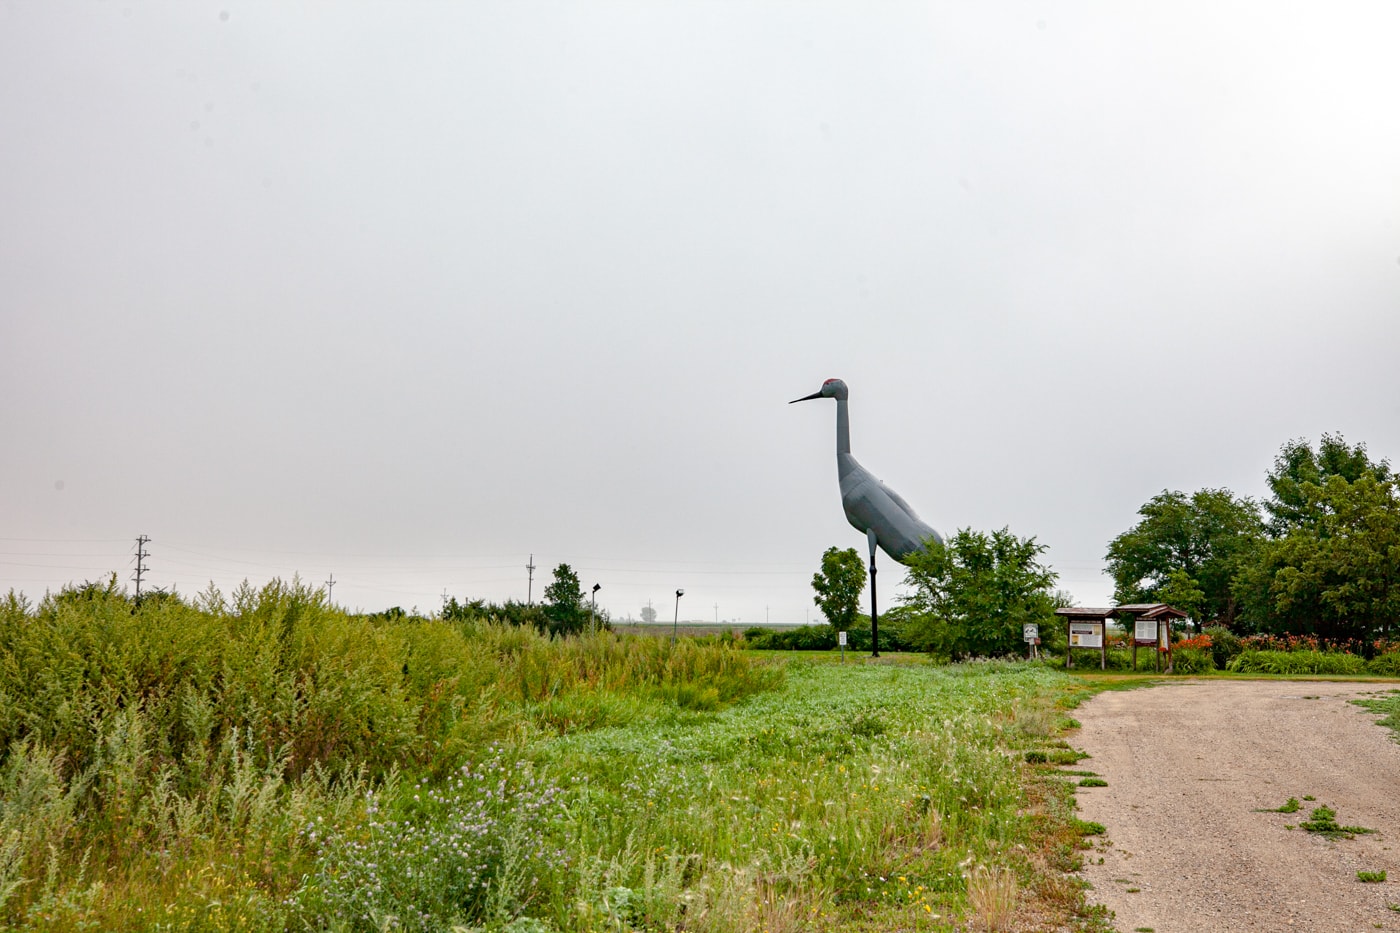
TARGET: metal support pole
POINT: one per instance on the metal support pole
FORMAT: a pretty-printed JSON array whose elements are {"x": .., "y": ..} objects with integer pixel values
[
  {"x": 676, "y": 620},
  {"x": 874, "y": 614}
]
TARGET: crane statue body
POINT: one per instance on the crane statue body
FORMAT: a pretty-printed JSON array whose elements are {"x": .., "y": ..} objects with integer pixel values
[{"x": 870, "y": 505}]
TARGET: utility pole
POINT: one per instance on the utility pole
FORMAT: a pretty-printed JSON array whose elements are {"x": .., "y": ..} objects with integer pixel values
[
  {"x": 765, "y": 615},
  {"x": 141, "y": 555},
  {"x": 716, "y": 613},
  {"x": 330, "y": 588},
  {"x": 530, "y": 586}
]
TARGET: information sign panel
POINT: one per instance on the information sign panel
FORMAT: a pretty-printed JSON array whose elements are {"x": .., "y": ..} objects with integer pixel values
[
  {"x": 1145, "y": 630},
  {"x": 1030, "y": 632},
  {"x": 841, "y": 639},
  {"x": 1085, "y": 635}
]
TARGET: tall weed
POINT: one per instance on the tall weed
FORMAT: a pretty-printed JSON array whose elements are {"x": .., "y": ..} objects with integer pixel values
[{"x": 176, "y": 749}]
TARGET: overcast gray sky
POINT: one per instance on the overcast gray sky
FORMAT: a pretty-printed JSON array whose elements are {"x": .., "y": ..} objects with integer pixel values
[{"x": 404, "y": 293}]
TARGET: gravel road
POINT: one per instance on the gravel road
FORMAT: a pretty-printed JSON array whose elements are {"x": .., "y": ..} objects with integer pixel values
[{"x": 1189, "y": 764}]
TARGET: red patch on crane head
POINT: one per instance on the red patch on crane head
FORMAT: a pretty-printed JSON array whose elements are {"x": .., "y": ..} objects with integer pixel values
[{"x": 830, "y": 381}]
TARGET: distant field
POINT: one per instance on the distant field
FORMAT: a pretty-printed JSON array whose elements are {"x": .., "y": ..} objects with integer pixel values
[{"x": 695, "y": 628}]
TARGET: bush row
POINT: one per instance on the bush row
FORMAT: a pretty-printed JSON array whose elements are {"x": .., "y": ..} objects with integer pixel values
[{"x": 824, "y": 638}]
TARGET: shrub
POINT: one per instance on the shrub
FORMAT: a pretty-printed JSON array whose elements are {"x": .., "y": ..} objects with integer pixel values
[
  {"x": 1192, "y": 661},
  {"x": 1297, "y": 662},
  {"x": 1225, "y": 645},
  {"x": 1387, "y": 664}
]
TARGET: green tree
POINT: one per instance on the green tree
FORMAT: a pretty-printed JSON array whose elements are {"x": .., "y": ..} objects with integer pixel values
[
  {"x": 1181, "y": 591},
  {"x": 1298, "y": 466},
  {"x": 564, "y": 602},
  {"x": 1335, "y": 573},
  {"x": 1207, "y": 537},
  {"x": 839, "y": 584},
  {"x": 973, "y": 594}
]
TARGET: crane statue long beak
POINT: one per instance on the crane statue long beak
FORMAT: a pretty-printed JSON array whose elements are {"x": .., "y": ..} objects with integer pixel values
[{"x": 805, "y": 398}]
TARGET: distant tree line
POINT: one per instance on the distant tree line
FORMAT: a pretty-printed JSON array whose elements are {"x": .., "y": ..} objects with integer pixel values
[
  {"x": 1320, "y": 557},
  {"x": 566, "y": 609}
]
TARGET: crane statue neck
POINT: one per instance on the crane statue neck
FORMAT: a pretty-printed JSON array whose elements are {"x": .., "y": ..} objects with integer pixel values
[
  {"x": 843, "y": 428},
  {"x": 846, "y": 465}
]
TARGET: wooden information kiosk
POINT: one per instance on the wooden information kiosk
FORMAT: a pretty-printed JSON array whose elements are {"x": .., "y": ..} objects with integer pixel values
[
  {"x": 1087, "y": 628},
  {"x": 1151, "y": 625},
  {"x": 1152, "y": 628}
]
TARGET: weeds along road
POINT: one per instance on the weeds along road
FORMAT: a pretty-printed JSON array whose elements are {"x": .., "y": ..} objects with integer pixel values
[{"x": 1189, "y": 764}]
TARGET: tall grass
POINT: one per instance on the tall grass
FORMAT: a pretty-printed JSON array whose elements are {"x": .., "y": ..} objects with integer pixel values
[
  {"x": 267, "y": 762},
  {"x": 159, "y": 763}
]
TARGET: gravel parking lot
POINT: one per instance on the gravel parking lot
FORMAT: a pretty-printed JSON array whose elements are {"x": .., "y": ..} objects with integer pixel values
[{"x": 1189, "y": 764}]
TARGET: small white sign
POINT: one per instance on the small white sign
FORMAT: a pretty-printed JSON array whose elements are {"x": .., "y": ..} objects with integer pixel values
[
  {"x": 1030, "y": 632},
  {"x": 1085, "y": 635},
  {"x": 1145, "y": 630},
  {"x": 841, "y": 639}
]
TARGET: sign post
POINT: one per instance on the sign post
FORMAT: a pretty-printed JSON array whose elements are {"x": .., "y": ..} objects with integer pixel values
[
  {"x": 841, "y": 638},
  {"x": 1030, "y": 633}
]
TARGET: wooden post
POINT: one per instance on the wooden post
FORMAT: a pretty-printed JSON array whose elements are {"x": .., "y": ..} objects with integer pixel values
[{"x": 1166, "y": 625}]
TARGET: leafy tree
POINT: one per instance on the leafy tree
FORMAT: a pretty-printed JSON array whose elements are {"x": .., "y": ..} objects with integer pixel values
[
  {"x": 973, "y": 594},
  {"x": 1204, "y": 540},
  {"x": 839, "y": 584},
  {"x": 1336, "y": 572},
  {"x": 564, "y": 602},
  {"x": 1181, "y": 591},
  {"x": 648, "y": 615},
  {"x": 1298, "y": 466}
]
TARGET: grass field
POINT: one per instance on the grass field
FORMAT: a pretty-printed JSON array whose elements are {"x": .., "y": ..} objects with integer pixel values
[{"x": 268, "y": 763}]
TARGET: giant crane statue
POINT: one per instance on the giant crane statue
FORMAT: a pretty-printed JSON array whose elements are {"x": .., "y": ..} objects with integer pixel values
[{"x": 871, "y": 506}]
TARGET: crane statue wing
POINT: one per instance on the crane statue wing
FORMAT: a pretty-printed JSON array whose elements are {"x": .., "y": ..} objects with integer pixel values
[{"x": 899, "y": 500}]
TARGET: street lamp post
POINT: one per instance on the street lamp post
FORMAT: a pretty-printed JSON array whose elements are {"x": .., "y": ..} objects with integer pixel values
[
  {"x": 593, "y": 608},
  {"x": 676, "y": 621}
]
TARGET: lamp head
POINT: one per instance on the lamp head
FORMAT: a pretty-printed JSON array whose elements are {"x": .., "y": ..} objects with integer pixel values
[{"x": 680, "y": 593}]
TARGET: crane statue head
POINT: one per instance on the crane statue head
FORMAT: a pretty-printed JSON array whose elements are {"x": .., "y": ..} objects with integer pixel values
[{"x": 832, "y": 388}]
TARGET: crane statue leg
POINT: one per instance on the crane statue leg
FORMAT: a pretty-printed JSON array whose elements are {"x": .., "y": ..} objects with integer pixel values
[{"x": 874, "y": 616}]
